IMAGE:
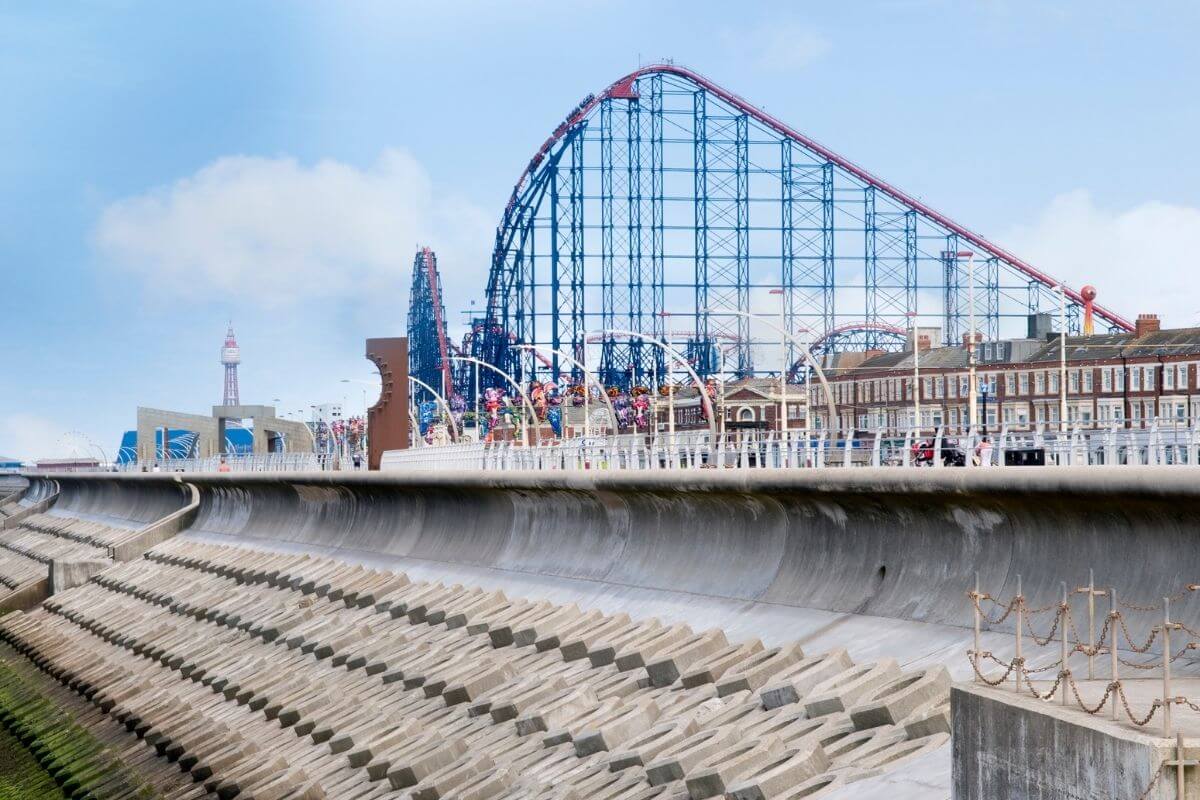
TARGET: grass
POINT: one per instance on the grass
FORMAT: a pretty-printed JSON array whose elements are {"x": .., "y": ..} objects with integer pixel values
[{"x": 20, "y": 776}]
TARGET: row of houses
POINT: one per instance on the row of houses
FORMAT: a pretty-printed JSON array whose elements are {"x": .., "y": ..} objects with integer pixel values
[{"x": 1124, "y": 379}]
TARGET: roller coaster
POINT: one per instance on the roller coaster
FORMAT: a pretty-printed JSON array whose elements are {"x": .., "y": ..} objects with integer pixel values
[{"x": 669, "y": 206}]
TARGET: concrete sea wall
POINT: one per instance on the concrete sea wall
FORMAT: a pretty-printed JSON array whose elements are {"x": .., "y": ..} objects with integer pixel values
[{"x": 829, "y": 555}]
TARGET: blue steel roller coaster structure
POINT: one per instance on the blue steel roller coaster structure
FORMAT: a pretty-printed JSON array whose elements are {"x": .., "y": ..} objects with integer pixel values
[{"x": 665, "y": 200}]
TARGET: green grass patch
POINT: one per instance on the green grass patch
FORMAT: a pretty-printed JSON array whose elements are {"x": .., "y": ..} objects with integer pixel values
[
  {"x": 62, "y": 751},
  {"x": 21, "y": 778}
]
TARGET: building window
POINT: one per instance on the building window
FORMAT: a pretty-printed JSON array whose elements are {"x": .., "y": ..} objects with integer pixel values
[
  {"x": 1088, "y": 382},
  {"x": 1073, "y": 381},
  {"x": 1106, "y": 382},
  {"x": 1148, "y": 381},
  {"x": 1054, "y": 383},
  {"x": 1041, "y": 413},
  {"x": 1182, "y": 376},
  {"x": 940, "y": 385},
  {"x": 1169, "y": 376},
  {"x": 1010, "y": 384},
  {"x": 1040, "y": 383},
  {"x": 1135, "y": 380},
  {"x": 746, "y": 415},
  {"x": 1120, "y": 373},
  {"x": 1024, "y": 383},
  {"x": 926, "y": 388}
]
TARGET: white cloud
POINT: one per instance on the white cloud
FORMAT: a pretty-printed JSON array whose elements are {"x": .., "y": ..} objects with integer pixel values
[
  {"x": 1142, "y": 259},
  {"x": 783, "y": 47},
  {"x": 276, "y": 231},
  {"x": 29, "y": 437}
]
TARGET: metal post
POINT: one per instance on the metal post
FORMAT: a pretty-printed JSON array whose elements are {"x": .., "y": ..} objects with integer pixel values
[
  {"x": 975, "y": 652},
  {"x": 1091, "y": 624},
  {"x": 972, "y": 357},
  {"x": 1020, "y": 601},
  {"x": 1166, "y": 685},
  {"x": 1065, "y": 666},
  {"x": 1062, "y": 359},
  {"x": 1113, "y": 615}
]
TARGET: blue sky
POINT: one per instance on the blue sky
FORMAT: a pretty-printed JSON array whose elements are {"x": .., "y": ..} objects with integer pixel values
[{"x": 167, "y": 167}]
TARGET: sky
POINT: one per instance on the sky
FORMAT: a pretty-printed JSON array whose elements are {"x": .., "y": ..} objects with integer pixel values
[{"x": 166, "y": 168}]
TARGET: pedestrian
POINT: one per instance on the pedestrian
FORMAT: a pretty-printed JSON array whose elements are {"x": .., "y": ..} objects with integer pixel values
[
  {"x": 224, "y": 466},
  {"x": 357, "y": 461}
]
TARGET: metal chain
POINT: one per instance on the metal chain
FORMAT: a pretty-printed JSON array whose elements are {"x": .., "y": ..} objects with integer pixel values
[
  {"x": 1144, "y": 721},
  {"x": 1184, "y": 592},
  {"x": 1012, "y": 604},
  {"x": 1129, "y": 639},
  {"x": 1057, "y": 682},
  {"x": 1080, "y": 647},
  {"x": 1157, "y": 662},
  {"x": 1108, "y": 690},
  {"x": 1043, "y": 641},
  {"x": 984, "y": 678},
  {"x": 1150, "y": 786}
]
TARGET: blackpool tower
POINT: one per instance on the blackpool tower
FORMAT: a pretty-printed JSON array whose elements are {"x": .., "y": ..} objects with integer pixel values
[{"x": 231, "y": 356}]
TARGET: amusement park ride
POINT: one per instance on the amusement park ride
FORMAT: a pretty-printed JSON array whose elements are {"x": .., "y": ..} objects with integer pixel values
[{"x": 666, "y": 199}]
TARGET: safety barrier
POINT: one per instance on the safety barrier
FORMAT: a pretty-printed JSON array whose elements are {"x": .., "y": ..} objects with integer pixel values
[
  {"x": 270, "y": 462},
  {"x": 1177, "y": 445},
  {"x": 1063, "y": 631}
]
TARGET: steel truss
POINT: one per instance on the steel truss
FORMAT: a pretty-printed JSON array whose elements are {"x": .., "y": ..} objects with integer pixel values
[
  {"x": 428, "y": 346},
  {"x": 668, "y": 197}
]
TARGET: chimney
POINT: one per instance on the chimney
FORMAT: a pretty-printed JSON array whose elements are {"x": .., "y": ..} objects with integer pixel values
[
  {"x": 966, "y": 339},
  {"x": 1146, "y": 323},
  {"x": 871, "y": 353}
]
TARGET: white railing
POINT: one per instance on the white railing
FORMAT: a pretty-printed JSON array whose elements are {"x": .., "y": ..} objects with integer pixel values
[
  {"x": 1155, "y": 444},
  {"x": 270, "y": 462}
]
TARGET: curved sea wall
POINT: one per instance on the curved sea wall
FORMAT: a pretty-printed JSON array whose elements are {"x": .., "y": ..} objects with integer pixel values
[{"x": 769, "y": 554}]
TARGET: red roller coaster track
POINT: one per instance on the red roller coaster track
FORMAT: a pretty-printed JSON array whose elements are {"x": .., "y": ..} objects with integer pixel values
[
  {"x": 435, "y": 291},
  {"x": 624, "y": 89}
]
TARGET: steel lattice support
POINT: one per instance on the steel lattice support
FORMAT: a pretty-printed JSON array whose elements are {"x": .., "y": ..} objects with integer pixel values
[
  {"x": 428, "y": 346},
  {"x": 666, "y": 195}
]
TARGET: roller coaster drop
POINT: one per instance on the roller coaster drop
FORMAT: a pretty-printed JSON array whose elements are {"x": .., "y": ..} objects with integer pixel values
[{"x": 666, "y": 199}]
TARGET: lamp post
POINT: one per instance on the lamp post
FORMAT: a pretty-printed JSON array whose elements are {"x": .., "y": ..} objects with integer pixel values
[
  {"x": 916, "y": 370},
  {"x": 972, "y": 359},
  {"x": 983, "y": 390},
  {"x": 783, "y": 369},
  {"x": 1062, "y": 358},
  {"x": 520, "y": 391},
  {"x": 704, "y": 401},
  {"x": 587, "y": 375},
  {"x": 803, "y": 349}
]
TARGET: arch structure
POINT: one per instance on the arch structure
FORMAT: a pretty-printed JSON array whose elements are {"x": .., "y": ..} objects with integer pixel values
[
  {"x": 428, "y": 344},
  {"x": 665, "y": 195}
]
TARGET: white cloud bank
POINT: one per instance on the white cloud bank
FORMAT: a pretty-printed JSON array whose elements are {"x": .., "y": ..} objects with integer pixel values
[
  {"x": 1142, "y": 259},
  {"x": 276, "y": 231},
  {"x": 29, "y": 437}
]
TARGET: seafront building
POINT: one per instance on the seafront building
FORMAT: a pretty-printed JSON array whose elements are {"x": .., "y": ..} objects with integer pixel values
[{"x": 1125, "y": 379}]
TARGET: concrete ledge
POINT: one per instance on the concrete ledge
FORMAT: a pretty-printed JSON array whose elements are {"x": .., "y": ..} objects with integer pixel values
[
  {"x": 158, "y": 532},
  {"x": 14, "y": 519},
  {"x": 1008, "y": 745},
  {"x": 25, "y": 597}
]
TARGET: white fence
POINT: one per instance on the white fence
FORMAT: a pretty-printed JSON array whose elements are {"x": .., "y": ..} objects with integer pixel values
[
  {"x": 1169, "y": 444},
  {"x": 271, "y": 462}
]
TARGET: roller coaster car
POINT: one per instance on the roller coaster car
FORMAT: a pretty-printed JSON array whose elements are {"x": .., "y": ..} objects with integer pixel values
[{"x": 952, "y": 454}]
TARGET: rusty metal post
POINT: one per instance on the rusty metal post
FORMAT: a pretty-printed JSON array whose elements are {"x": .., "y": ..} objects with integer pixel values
[
  {"x": 1166, "y": 650},
  {"x": 1091, "y": 624},
  {"x": 1114, "y": 618},
  {"x": 1065, "y": 611},
  {"x": 1020, "y": 601},
  {"x": 975, "y": 652}
]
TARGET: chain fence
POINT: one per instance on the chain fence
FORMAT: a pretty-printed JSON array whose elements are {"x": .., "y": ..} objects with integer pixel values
[{"x": 1064, "y": 629}]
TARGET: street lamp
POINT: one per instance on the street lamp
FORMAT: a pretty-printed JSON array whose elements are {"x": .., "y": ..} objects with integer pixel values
[
  {"x": 520, "y": 391},
  {"x": 586, "y": 377},
  {"x": 916, "y": 329},
  {"x": 783, "y": 370},
  {"x": 1062, "y": 358},
  {"x": 712, "y": 420},
  {"x": 803, "y": 349}
]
